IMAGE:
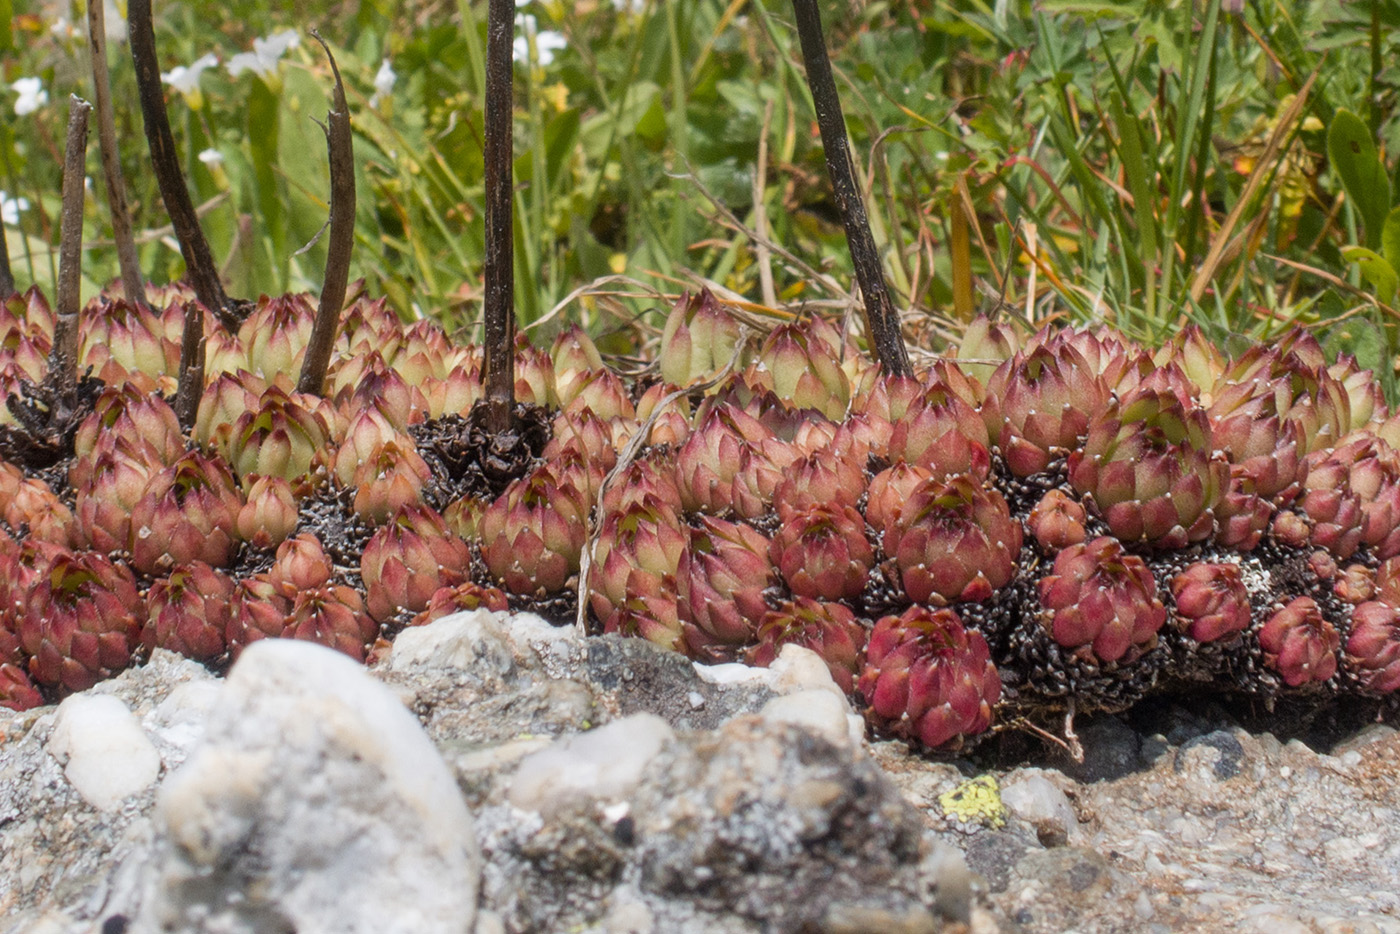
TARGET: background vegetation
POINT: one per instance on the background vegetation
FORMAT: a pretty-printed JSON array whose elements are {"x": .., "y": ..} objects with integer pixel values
[{"x": 1143, "y": 163}]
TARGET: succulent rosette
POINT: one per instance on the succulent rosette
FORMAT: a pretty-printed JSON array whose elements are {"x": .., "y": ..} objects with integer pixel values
[
  {"x": 269, "y": 515},
  {"x": 28, "y": 505},
  {"x": 227, "y": 396},
  {"x": 1373, "y": 647},
  {"x": 373, "y": 384},
  {"x": 391, "y": 478},
  {"x": 731, "y": 463},
  {"x": 824, "y": 478},
  {"x": 408, "y": 560},
  {"x": 301, "y": 564},
  {"x": 260, "y": 610},
  {"x": 1211, "y": 601},
  {"x": 721, "y": 579},
  {"x": 943, "y": 432},
  {"x": 334, "y": 616},
  {"x": 1300, "y": 643},
  {"x": 121, "y": 340},
  {"x": 698, "y": 340},
  {"x": 274, "y": 336},
  {"x": 139, "y": 425},
  {"x": 1293, "y": 371},
  {"x": 927, "y": 678},
  {"x": 280, "y": 437},
  {"x": 80, "y": 622},
  {"x": 1057, "y": 520},
  {"x": 1100, "y": 602},
  {"x": 889, "y": 490},
  {"x": 1328, "y": 512},
  {"x": 636, "y": 556},
  {"x": 1148, "y": 465},
  {"x": 460, "y": 598},
  {"x": 187, "y": 512},
  {"x": 799, "y": 366},
  {"x": 954, "y": 540},
  {"x": 985, "y": 345},
  {"x": 829, "y": 629},
  {"x": 822, "y": 552},
  {"x": 189, "y": 612},
  {"x": 17, "y": 690},
  {"x": 532, "y": 536},
  {"x": 1045, "y": 396}
]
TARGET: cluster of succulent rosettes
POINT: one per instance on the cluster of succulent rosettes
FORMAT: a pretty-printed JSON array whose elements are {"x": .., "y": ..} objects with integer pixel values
[{"x": 1031, "y": 519}]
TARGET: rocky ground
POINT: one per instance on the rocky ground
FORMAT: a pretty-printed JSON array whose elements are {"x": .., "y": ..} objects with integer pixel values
[{"x": 493, "y": 774}]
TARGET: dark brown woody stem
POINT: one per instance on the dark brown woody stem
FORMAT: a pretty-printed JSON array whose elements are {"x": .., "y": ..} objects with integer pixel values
[
  {"x": 342, "y": 237},
  {"x": 63, "y": 359},
  {"x": 132, "y": 288},
  {"x": 499, "y": 376},
  {"x": 7, "y": 278},
  {"x": 881, "y": 319},
  {"x": 203, "y": 274}
]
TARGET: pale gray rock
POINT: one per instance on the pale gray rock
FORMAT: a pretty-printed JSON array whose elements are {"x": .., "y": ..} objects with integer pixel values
[
  {"x": 1033, "y": 798},
  {"x": 314, "y": 804}
]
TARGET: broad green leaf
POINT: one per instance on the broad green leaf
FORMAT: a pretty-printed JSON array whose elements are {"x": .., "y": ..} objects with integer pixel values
[
  {"x": 1376, "y": 270},
  {"x": 7, "y": 12},
  {"x": 1353, "y": 155},
  {"x": 1390, "y": 238}
]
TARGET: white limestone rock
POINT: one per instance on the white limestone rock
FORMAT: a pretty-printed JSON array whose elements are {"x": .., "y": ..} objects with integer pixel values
[
  {"x": 315, "y": 803},
  {"x": 104, "y": 752},
  {"x": 603, "y": 764}
]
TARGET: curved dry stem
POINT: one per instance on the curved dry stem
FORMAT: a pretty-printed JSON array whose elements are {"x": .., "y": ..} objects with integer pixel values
[
  {"x": 200, "y": 268},
  {"x": 7, "y": 278},
  {"x": 881, "y": 319},
  {"x": 127, "y": 259},
  {"x": 342, "y": 237}
]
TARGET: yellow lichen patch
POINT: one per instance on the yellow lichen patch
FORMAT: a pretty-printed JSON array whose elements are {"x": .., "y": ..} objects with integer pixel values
[{"x": 977, "y": 800}]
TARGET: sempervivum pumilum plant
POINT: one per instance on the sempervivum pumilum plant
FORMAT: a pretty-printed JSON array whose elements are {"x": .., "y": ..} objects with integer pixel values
[
  {"x": 954, "y": 540},
  {"x": 1148, "y": 464},
  {"x": 1101, "y": 603},
  {"x": 773, "y": 483},
  {"x": 1373, "y": 648},
  {"x": 829, "y": 629},
  {"x": 1300, "y": 644},
  {"x": 927, "y": 677},
  {"x": 1211, "y": 601}
]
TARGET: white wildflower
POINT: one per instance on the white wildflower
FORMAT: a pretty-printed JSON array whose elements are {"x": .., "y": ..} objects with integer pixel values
[
  {"x": 629, "y": 6},
  {"x": 185, "y": 79},
  {"x": 10, "y": 208},
  {"x": 262, "y": 61},
  {"x": 383, "y": 82},
  {"x": 211, "y": 157},
  {"x": 545, "y": 43},
  {"x": 32, "y": 95}
]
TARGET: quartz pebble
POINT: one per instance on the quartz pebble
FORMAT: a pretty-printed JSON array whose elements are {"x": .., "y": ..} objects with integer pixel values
[{"x": 106, "y": 754}]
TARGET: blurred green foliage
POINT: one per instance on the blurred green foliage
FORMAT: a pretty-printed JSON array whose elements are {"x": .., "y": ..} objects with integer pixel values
[{"x": 1146, "y": 163}]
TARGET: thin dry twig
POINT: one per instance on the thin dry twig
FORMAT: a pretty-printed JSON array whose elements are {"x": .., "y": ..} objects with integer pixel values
[
  {"x": 762, "y": 255},
  {"x": 127, "y": 259},
  {"x": 1282, "y": 131},
  {"x": 340, "y": 143},
  {"x": 63, "y": 359},
  {"x": 499, "y": 337}
]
